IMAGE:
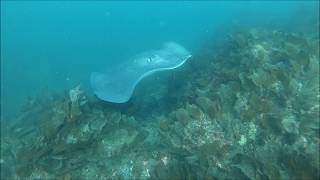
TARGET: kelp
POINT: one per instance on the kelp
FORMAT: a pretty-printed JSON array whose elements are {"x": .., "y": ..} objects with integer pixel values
[{"x": 247, "y": 109}]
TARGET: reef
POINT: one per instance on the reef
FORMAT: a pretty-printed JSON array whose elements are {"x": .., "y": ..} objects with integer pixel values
[{"x": 245, "y": 109}]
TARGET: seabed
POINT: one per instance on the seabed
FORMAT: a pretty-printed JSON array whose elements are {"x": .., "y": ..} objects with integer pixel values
[{"x": 247, "y": 108}]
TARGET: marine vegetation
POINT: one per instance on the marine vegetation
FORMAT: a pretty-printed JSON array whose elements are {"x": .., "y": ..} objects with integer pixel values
[{"x": 247, "y": 108}]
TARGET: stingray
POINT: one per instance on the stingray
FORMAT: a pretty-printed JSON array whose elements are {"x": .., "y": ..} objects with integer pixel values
[{"x": 117, "y": 84}]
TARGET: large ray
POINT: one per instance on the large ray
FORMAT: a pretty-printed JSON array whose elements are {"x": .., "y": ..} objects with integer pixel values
[{"x": 118, "y": 83}]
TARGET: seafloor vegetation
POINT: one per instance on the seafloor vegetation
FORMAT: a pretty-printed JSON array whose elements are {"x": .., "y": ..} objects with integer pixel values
[{"x": 247, "y": 108}]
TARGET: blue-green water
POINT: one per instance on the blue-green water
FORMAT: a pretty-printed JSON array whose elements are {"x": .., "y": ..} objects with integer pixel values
[
  {"x": 55, "y": 45},
  {"x": 160, "y": 90}
]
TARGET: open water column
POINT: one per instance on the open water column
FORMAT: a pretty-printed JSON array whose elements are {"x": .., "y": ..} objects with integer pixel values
[{"x": 98, "y": 90}]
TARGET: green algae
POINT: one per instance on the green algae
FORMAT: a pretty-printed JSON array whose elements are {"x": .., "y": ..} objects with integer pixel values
[{"x": 249, "y": 112}]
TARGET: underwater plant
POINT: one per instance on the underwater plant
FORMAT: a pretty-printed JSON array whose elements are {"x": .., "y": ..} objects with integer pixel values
[{"x": 250, "y": 111}]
